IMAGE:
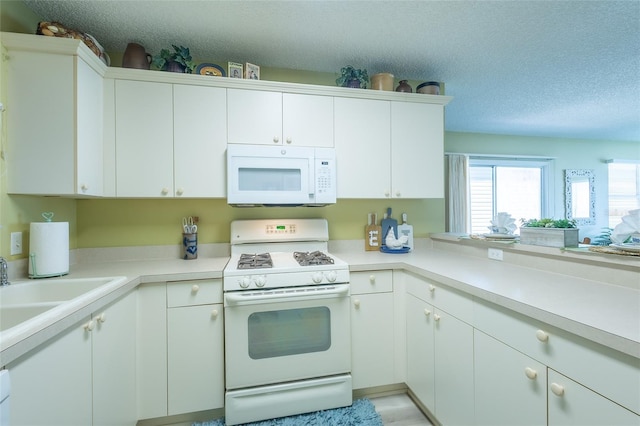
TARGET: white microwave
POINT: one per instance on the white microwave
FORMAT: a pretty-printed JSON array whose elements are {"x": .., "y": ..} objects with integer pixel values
[{"x": 280, "y": 175}]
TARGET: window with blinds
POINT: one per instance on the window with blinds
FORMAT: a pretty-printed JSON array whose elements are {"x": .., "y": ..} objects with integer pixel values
[
  {"x": 624, "y": 189},
  {"x": 516, "y": 186}
]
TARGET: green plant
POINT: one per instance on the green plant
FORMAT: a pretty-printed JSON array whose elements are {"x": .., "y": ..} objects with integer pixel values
[
  {"x": 181, "y": 55},
  {"x": 548, "y": 223},
  {"x": 349, "y": 73}
]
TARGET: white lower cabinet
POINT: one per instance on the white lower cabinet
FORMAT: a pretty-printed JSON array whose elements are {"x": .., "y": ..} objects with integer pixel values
[
  {"x": 571, "y": 404},
  {"x": 181, "y": 356},
  {"x": 372, "y": 329},
  {"x": 85, "y": 376},
  {"x": 439, "y": 352},
  {"x": 510, "y": 387},
  {"x": 195, "y": 353}
]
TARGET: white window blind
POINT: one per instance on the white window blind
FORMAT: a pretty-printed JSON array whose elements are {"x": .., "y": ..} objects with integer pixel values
[{"x": 624, "y": 189}]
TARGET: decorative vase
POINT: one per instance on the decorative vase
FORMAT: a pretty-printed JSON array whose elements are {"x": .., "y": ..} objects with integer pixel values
[
  {"x": 354, "y": 83},
  {"x": 404, "y": 87},
  {"x": 173, "y": 66},
  {"x": 382, "y": 81},
  {"x": 136, "y": 57}
]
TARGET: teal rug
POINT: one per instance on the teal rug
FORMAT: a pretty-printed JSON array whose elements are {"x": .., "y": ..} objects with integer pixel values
[{"x": 361, "y": 413}]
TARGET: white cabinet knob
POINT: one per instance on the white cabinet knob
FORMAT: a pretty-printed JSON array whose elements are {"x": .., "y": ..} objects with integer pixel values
[
  {"x": 195, "y": 288},
  {"x": 102, "y": 317},
  {"x": 356, "y": 303},
  {"x": 89, "y": 326},
  {"x": 372, "y": 279},
  {"x": 427, "y": 312},
  {"x": 530, "y": 373},
  {"x": 289, "y": 140},
  {"x": 386, "y": 194},
  {"x": 436, "y": 317},
  {"x": 432, "y": 288},
  {"x": 276, "y": 139},
  {"x": 557, "y": 389},
  {"x": 214, "y": 313},
  {"x": 164, "y": 191},
  {"x": 84, "y": 187},
  {"x": 398, "y": 194},
  {"x": 180, "y": 191},
  {"x": 542, "y": 336}
]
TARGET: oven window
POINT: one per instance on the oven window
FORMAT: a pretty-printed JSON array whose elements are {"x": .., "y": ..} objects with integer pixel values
[
  {"x": 289, "y": 332},
  {"x": 263, "y": 179}
]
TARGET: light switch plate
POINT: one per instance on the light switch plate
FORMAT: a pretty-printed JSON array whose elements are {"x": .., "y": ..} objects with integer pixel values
[
  {"x": 16, "y": 243},
  {"x": 495, "y": 254}
]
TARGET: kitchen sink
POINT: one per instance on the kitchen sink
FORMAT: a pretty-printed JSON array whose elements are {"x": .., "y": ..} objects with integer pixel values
[{"x": 24, "y": 300}]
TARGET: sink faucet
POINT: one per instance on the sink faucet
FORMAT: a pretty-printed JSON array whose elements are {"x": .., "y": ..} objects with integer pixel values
[{"x": 4, "y": 273}]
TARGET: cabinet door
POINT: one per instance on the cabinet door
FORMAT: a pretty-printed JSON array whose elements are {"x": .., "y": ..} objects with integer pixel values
[
  {"x": 417, "y": 150},
  {"x": 200, "y": 141},
  {"x": 114, "y": 363},
  {"x": 372, "y": 340},
  {"x": 41, "y": 120},
  {"x": 254, "y": 117},
  {"x": 144, "y": 139},
  {"x": 453, "y": 342},
  {"x": 307, "y": 120},
  {"x": 572, "y": 404},
  {"x": 151, "y": 349},
  {"x": 195, "y": 358},
  {"x": 420, "y": 351},
  {"x": 51, "y": 385},
  {"x": 363, "y": 148},
  {"x": 510, "y": 387},
  {"x": 89, "y": 119}
]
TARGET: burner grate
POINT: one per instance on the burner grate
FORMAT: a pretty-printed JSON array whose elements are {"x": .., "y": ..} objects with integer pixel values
[
  {"x": 312, "y": 258},
  {"x": 255, "y": 261}
]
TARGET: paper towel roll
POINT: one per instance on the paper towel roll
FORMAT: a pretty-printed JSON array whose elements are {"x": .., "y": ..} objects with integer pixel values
[{"x": 48, "y": 249}]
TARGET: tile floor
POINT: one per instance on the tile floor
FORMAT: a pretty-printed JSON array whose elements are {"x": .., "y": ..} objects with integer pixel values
[{"x": 399, "y": 410}]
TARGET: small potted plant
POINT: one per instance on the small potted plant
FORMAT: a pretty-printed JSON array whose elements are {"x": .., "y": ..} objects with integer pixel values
[
  {"x": 352, "y": 77},
  {"x": 177, "y": 61},
  {"x": 549, "y": 232}
]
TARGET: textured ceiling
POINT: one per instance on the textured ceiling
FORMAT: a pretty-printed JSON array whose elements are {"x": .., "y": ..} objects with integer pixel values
[{"x": 540, "y": 68}]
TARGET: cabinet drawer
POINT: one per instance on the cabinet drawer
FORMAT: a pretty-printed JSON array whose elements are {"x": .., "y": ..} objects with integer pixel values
[
  {"x": 607, "y": 372},
  {"x": 196, "y": 292},
  {"x": 448, "y": 299},
  {"x": 371, "y": 282}
]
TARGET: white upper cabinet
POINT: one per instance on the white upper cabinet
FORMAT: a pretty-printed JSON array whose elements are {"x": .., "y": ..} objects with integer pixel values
[
  {"x": 363, "y": 150},
  {"x": 389, "y": 149},
  {"x": 275, "y": 118},
  {"x": 170, "y": 140},
  {"x": 144, "y": 139},
  {"x": 54, "y": 117},
  {"x": 417, "y": 150},
  {"x": 199, "y": 141}
]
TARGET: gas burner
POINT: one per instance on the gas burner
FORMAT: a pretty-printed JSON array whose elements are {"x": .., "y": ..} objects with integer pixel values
[
  {"x": 255, "y": 261},
  {"x": 312, "y": 258}
]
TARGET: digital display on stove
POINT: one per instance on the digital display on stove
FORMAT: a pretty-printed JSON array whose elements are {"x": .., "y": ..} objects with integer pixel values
[{"x": 281, "y": 229}]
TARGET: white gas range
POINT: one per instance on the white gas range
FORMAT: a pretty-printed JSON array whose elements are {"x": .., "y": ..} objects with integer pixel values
[{"x": 287, "y": 321}]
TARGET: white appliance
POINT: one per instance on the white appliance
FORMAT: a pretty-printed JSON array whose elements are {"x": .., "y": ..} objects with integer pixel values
[
  {"x": 287, "y": 321},
  {"x": 280, "y": 175}
]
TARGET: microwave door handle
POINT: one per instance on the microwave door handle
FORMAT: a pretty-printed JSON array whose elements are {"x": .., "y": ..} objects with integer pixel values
[{"x": 312, "y": 177}]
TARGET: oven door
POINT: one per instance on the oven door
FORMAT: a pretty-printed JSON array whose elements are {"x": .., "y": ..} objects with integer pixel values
[{"x": 283, "y": 335}]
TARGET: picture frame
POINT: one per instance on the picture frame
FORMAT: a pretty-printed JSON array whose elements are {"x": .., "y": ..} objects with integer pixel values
[
  {"x": 235, "y": 70},
  {"x": 251, "y": 71}
]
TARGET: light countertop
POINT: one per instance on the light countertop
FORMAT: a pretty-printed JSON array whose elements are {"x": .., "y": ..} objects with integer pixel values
[{"x": 606, "y": 313}]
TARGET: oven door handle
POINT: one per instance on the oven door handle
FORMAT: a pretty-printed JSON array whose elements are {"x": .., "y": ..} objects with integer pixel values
[{"x": 298, "y": 294}]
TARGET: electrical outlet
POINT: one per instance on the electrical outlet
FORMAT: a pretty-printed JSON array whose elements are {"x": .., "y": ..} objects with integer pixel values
[
  {"x": 16, "y": 243},
  {"x": 495, "y": 254}
]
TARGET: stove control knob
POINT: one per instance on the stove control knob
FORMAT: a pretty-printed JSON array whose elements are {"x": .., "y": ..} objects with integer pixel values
[
  {"x": 261, "y": 280},
  {"x": 331, "y": 276},
  {"x": 317, "y": 277},
  {"x": 245, "y": 282}
]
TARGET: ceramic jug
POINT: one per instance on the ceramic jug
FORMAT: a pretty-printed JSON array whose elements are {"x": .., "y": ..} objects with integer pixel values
[{"x": 136, "y": 57}]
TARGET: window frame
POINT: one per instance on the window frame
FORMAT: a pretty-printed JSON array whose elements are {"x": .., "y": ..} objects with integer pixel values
[{"x": 546, "y": 165}]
